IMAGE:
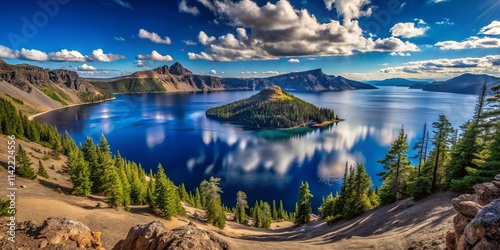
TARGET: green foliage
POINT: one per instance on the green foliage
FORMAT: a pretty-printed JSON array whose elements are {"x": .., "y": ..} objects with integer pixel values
[
  {"x": 130, "y": 85},
  {"x": 287, "y": 112},
  {"x": 240, "y": 214},
  {"x": 167, "y": 197},
  {"x": 397, "y": 167},
  {"x": 15, "y": 99},
  {"x": 24, "y": 164},
  {"x": 4, "y": 208},
  {"x": 441, "y": 142},
  {"x": 55, "y": 95},
  {"x": 420, "y": 187},
  {"x": 113, "y": 189},
  {"x": 79, "y": 173},
  {"x": 304, "y": 209},
  {"x": 210, "y": 194},
  {"x": 42, "y": 171}
]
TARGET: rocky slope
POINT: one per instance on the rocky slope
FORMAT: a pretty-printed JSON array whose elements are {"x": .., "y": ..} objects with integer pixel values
[
  {"x": 465, "y": 84},
  {"x": 39, "y": 89},
  {"x": 477, "y": 224},
  {"x": 176, "y": 78}
]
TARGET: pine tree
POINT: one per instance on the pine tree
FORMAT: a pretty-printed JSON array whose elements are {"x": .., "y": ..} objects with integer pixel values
[
  {"x": 440, "y": 140},
  {"x": 183, "y": 193},
  {"x": 42, "y": 171},
  {"x": 166, "y": 195},
  {"x": 266, "y": 217},
  {"x": 90, "y": 154},
  {"x": 150, "y": 192},
  {"x": 241, "y": 206},
  {"x": 211, "y": 191},
  {"x": 113, "y": 189},
  {"x": 274, "y": 211},
  {"x": 79, "y": 173},
  {"x": 105, "y": 163},
  {"x": 281, "y": 212},
  {"x": 420, "y": 146},
  {"x": 304, "y": 209},
  {"x": 24, "y": 164},
  {"x": 396, "y": 163}
]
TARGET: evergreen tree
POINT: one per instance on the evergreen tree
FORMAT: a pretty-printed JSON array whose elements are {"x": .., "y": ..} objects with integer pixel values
[
  {"x": 105, "y": 164},
  {"x": 79, "y": 173},
  {"x": 167, "y": 197},
  {"x": 396, "y": 164},
  {"x": 90, "y": 154},
  {"x": 327, "y": 208},
  {"x": 420, "y": 146},
  {"x": 266, "y": 217},
  {"x": 304, "y": 209},
  {"x": 126, "y": 188},
  {"x": 24, "y": 164},
  {"x": 281, "y": 212},
  {"x": 113, "y": 189},
  {"x": 211, "y": 195},
  {"x": 241, "y": 206},
  {"x": 183, "y": 193},
  {"x": 197, "y": 199},
  {"x": 42, "y": 171},
  {"x": 274, "y": 211},
  {"x": 150, "y": 192},
  {"x": 441, "y": 142}
]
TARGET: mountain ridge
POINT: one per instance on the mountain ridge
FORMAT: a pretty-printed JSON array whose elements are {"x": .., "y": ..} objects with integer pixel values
[{"x": 465, "y": 84}]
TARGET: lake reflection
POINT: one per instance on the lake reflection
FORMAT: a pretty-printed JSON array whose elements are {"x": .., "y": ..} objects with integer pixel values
[{"x": 172, "y": 129}]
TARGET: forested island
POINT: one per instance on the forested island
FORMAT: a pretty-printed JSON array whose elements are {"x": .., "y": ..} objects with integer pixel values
[{"x": 273, "y": 108}]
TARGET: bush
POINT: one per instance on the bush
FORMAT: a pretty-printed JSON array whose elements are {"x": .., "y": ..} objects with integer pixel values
[
  {"x": 4, "y": 208},
  {"x": 420, "y": 188}
]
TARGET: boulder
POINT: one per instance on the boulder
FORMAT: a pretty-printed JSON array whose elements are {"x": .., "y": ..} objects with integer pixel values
[
  {"x": 451, "y": 238},
  {"x": 468, "y": 209},
  {"x": 459, "y": 223},
  {"x": 496, "y": 183},
  {"x": 487, "y": 221},
  {"x": 487, "y": 244},
  {"x": 497, "y": 177},
  {"x": 64, "y": 231},
  {"x": 155, "y": 236},
  {"x": 487, "y": 192}
]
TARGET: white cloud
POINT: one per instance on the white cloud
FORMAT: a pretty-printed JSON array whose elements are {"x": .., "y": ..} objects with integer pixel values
[
  {"x": 140, "y": 63},
  {"x": 349, "y": 9},
  {"x": 491, "y": 29},
  {"x": 271, "y": 72},
  {"x": 121, "y": 39},
  {"x": 67, "y": 56},
  {"x": 400, "y": 54},
  {"x": 189, "y": 42},
  {"x": 6, "y": 52},
  {"x": 32, "y": 55},
  {"x": 153, "y": 37},
  {"x": 213, "y": 72},
  {"x": 183, "y": 7},
  {"x": 124, "y": 4},
  {"x": 420, "y": 21},
  {"x": 437, "y": 1},
  {"x": 86, "y": 67},
  {"x": 470, "y": 43},
  {"x": 408, "y": 30},
  {"x": 294, "y": 60},
  {"x": 155, "y": 56},
  {"x": 446, "y": 21},
  {"x": 279, "y": 30},
  {"x": 98, "y": 55}
]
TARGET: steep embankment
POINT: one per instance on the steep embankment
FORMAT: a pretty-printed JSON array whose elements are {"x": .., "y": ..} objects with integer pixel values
[
  {"x": 33, "y": 89},
  {"x": 403, "y": 225}
]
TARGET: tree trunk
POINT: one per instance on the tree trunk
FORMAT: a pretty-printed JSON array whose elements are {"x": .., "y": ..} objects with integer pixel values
[
  {"x": 433, "y": 188},
  {"x": 396, "y": 181}
]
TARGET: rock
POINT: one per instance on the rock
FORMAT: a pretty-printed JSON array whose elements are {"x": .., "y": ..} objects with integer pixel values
[
  {"x": 64, "y": 231},
  {"x": 473, "y": 234},
  {"x": 155, "y": 236},
  {"x": 487, "y": 244},
  {"x": 497, "y": 177},
  {"x": 487, "y": 221},
  {"x": 451, "y": 240},
  {"x": 462, "y": 244},
  {"x": 468, "y": 209},
  {"x": 496, "y": 183},
  {"x": 23, "y": 186},
  {"x": 459, "y": 223},
  {"x": 487, "y": 192}
]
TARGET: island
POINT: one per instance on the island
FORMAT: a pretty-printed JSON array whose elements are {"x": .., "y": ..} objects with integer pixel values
[{"x": 273, "y": 108}]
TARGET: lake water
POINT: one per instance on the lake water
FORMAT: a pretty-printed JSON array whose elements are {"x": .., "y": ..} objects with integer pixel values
[{"x": 172, "y": 129}]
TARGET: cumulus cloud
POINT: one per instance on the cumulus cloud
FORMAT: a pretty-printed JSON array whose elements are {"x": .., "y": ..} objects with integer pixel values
[
  {"x": 67, "y": 56},
  {"x": 140, "y": 63},
  {"x": 153, "y": 37},
  {"x": 400, "y": 54},
  {"x": 32, "y": 55},
  {"x": 408, "y": 30},
  {"x": 279, "y": 30},
  {"x": 213, "y": 72},
  {"x": 271, "y": 72},
  {"x": 470, "y": 43},
  {"x": 349, "y": 9},
  {"x": 183, "y": 7},
  {"x": 100, "y": 56},
  {"x": 121, "y": 39},
  {"x": 86, "y": 67},
  {"x": 491, "y": 29},
  {"x": 294, "y": 60},
  {"x": 6, "y": 52},
  {"x": 155, "y": 56}
]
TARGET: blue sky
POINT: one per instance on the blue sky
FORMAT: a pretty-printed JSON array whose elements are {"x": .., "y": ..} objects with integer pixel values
[{"x": 359, "y": 39}]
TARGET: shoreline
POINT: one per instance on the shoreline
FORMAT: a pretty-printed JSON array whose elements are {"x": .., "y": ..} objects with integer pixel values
[{"x": 31, "y": 117}]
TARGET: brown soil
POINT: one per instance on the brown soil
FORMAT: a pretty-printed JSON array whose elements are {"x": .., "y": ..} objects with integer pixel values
[{"x": 404, "y": 225}]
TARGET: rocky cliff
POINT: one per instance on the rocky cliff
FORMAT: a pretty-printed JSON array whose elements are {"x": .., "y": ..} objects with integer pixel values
[{"x": 477, "y": 224}]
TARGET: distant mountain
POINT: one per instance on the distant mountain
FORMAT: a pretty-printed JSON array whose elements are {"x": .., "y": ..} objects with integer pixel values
[
  {"x": 176, "y": 78},
  {"x": 37, "y": 89},
  {"x": 464, "y": 84},
  {"x": 419, "y": 85},
  {"x": 272, "y": 108},
  {"x": 399, "y": 82}
]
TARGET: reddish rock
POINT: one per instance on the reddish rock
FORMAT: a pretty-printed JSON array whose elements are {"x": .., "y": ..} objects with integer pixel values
[
  {"x": 487, "y": 244},
  {"x": 451, "y": 240},
  {"x": 487, "y": 192},
  {"x": 459, "y": 223},
  {"x": 468, "y": 209}
]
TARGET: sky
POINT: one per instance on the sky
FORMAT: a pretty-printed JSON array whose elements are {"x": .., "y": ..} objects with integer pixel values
[{"x": 358, "y": 39}]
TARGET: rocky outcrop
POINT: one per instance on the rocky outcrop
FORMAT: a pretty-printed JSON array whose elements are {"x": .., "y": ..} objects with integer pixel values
[
  {"x": 70, "y": 79},
  {"x": 54, "y": 233},
  {"x": 477, "y": 224},
  {"x": 155, "y": 236}
]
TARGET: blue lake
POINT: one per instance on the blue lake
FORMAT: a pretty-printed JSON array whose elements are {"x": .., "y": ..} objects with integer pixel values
[{"x": 172, "y": 129}]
